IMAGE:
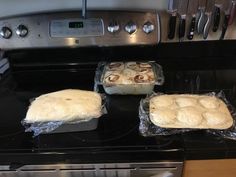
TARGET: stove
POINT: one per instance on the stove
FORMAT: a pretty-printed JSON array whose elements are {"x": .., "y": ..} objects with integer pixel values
[{"x": 54, "y": 51}]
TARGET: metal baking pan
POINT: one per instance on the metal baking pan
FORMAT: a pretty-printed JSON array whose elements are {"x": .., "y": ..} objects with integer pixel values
[{"x": 76, "y": 127}]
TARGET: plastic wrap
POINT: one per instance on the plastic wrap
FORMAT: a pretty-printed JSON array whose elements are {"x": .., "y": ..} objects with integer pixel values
[
  {"x": 129, "y": 74},
  {"x": 147, "y": 128},
  {"x": 64, "y": 126}
]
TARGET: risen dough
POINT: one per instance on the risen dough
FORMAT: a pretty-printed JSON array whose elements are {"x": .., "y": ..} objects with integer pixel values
[
  {"x": 162, "y": 101},
  {"x": 210, "y": 103},
  {"x": 186, "y": 101},
  {"x": 129, "y": 73},
  {"x": 190, "y": 116},
  {"x": 215, "y": 118},
  {"x": 65, "y": 105},
  {"x": 163, "y": 116},
  {"x": 189, "y": 111}
]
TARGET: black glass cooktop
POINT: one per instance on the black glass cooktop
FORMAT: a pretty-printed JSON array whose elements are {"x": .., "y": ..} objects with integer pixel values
[{"x": 117, "y": 130}]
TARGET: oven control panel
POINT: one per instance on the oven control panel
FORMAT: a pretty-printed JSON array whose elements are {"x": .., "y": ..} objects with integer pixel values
[
  {"x": 69, "y": 29},
  {"x": 76, "y": 28}
]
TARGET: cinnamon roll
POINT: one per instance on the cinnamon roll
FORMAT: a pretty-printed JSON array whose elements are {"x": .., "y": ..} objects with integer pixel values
[
  {"x": 114, "y": 66},
  {"x": 112, "y": 78}
]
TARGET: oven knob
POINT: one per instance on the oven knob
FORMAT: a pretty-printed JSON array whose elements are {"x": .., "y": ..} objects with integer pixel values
[
  {"x": 113, "y": 27},
  {"x": 130, "y": 27},
  {"x": 5, "y": 32},
  {"x": 148, "y": 27},
  {"x": 22, "y": 31}
]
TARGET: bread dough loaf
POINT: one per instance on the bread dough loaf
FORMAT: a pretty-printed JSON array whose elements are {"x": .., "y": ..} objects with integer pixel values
[
  {"x": 66, "y": 105},
  {"x": 189, "y": 111}
]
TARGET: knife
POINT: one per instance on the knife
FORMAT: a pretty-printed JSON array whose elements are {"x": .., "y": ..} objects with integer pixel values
[
  {"x": 192, "y": 10},
  {"x": 226, "y": 8},
  {"x": 208, "y": 15},
  {"x": 217, "y": 15},
  {"x": 172, "y": 10},
  {"x": 232, "y": 12},
  {"x": 182, "y": 11},
  {"x": 201, "y": 20}
]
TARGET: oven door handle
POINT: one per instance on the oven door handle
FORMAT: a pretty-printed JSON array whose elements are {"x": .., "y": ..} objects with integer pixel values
[
  {"x": 158, "y": 169},
  {"x": 141, "y": 169}
]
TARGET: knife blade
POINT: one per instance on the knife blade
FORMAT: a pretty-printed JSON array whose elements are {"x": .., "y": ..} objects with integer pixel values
[
  {"x": 208, "y": 14},
  {"x": 172, "y": 10},
  {"x": 232, "y": 12},
  {"x": 217, "y": 14},
  {"x": 201, "y": 20},
  {"x": 192, "y": 11},
  {"x": 182, "y": 11},
  {"x": 226, "y": 8}
]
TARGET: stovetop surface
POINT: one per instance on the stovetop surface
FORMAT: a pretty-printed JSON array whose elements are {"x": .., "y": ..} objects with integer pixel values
[{"x": 117, "y": 130}]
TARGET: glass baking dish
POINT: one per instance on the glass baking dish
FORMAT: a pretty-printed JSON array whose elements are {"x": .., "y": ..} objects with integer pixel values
[{"x": 128, "y": 78}]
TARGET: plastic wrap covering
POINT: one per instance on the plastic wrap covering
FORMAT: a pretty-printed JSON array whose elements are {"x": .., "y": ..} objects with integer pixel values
[
  {"x": 46, "y": 127},
  {"x": 148, "y": 128},
  {"x": 128, "y": 78}
]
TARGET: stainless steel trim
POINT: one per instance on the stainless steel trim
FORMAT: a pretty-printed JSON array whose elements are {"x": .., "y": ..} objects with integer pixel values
[
  {"x": 39, "y": 37},
  {"x": 97, "y": 170}
]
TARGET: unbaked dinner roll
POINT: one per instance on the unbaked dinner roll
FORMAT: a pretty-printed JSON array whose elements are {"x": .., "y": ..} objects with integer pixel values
[
  {"x": 65, "y": 105},
  {"x": 189, "y": 111},
  {"x": 209, "y": 102},
  {"x": 162, "y": 101},
  {"x": 215, "y": 117},
  {"x": 186, "y": 101},
  {"x": 189, "y": 116},
  {"x": 163, "y": 116}
]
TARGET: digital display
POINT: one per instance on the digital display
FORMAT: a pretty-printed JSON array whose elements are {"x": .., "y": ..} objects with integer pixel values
[{"x": 76, "y": 24}]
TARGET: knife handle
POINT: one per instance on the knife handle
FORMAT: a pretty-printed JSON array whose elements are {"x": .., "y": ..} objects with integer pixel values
[
  {"x": 172, "y": 25},
  {"x": 224, "y": 26},
  {"x": 192, "y": 28},
  {"x": 232, "y": 13},
  {"x": 216, "y": 21},
  {"x": 182, "y": 24},
  {"x": 201, "y": 21},
  {"x": 207, "y": 25}
]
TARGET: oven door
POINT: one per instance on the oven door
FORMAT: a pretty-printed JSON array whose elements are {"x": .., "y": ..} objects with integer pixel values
[{"x": 159, "y": 169}]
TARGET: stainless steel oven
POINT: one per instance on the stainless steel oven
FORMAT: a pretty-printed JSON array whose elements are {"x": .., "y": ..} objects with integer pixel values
[{"x": 52, "y": 51}]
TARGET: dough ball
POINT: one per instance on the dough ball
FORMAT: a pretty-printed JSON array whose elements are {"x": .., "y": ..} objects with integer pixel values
[
  {"x": 163, "y": 116},
  {"x": 162, "y": 101},
  {"x": 209, "y": 102},
  {"x": 215, "y": 117},
  {"x": 189, "y": 116},
  {"x": 185, "y": 101}
]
